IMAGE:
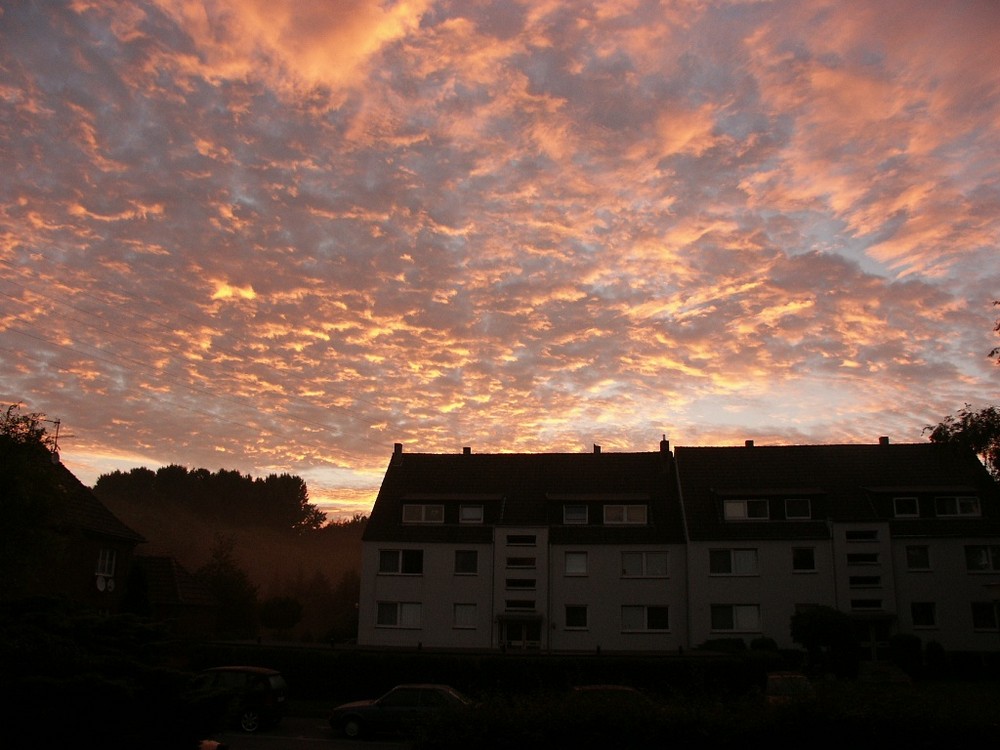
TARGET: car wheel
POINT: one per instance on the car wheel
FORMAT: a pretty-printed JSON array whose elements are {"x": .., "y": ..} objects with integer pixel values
[
  {"x": 353, "y": 728},
  {"x": 249, "y": 720}
]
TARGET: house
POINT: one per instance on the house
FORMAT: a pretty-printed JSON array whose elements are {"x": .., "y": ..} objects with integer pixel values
[
  {"x": 668, "y": 549},
  {"x": 559, "y": 552},
  {"x": 161, "y": 589}
]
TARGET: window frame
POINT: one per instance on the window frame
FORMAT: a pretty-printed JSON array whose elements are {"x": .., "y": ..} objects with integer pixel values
[
  {"x": 977, "y": 619},
  {"x": 812, "y": 557},
  {"x": 737, "y": 615},
  {"x": 644, "y": 566},
  {"x": 808, "y": 505},
  {"x": 402, "y": 611},
  {"x": 729, "y": 512},
  {"x": 627, "y": 509},
  {"x": 404, "y": 562},
  {"x": 577, "y": 555},
  {"x": 923, "y": 624},
  {"x": 991, "y": 553},
  {"x": 571, "y": 517},
  {"x": 733, "y": 568},
  {"x": 106, "y": 561},
  {"x": 916, "y": 507},
  {"x": 958, "y": 512},
  {"x": 649, "y": 614},
  {"x": 863, "y": 558},
  {"x": 576, "y": 609},
  {"x": 426, "y": 513},
  {"x": 477, "y": 513},
  {"x": 461, "y": 570},
  {"x": 465, "y": 622}
]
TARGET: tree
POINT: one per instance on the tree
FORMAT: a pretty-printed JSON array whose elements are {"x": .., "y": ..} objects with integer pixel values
[
  {"x": 977, "y": 430},
  {"x": 995, "y": 351},
  {"x": 280, "y": 613},
  {"x": 28, "y": 488},
  {"x": 233, "y": 591}
]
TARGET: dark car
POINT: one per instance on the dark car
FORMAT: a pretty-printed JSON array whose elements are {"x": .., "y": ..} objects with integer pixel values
[
  {"x": 403, "y": 710},
  {"x": 246, "y": 697}
]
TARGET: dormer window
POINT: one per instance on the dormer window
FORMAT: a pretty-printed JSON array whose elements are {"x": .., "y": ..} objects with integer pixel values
[
  {"x": 905, "y": 507},
  {"x": 625, "y": 514},
  {"x": 956, "y": 506},
  {"x": 470, "y": 514},
  {"x": 797, "y": 509},
  {"x": 745, "y": 510},
  {"x": 421, "y": 513},
  {"x": 574, "y": 514}
]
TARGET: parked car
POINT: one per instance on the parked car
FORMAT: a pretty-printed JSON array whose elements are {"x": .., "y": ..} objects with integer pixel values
[
  {"x": 403, "y": 710},
  {"x": 250, "y": 698}
]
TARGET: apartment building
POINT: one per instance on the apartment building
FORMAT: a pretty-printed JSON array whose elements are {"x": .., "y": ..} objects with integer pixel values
[{"x": 667, "y": 549}]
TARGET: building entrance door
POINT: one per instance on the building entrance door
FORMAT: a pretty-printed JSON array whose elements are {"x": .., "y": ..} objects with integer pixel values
[{"x": 520, "y": 634}]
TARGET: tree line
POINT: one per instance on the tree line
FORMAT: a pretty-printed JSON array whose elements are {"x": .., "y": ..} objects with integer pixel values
[{"x": 277, "y": 501}]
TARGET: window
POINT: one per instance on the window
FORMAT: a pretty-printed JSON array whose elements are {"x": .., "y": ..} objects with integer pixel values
[
  {"x": 984, "y": 616},
  {"x": 803, "y": 559},
  {"x": 105, "y": 563},
  {"x": 956, "y": 506},
  {"x": 574, "y": 514},
  {"x": 423, "y": 513},
  {"x": 521, "y": 562},
  {"x": 982, "y": 557},
  {"x": 732, "y": 562},
  {"x": 923, "y": 614},
  {"x": 905, "y": 507},
  {"x": 639, "y": 618},
  {"x": 918, "y": 557},
  {"x": 464, "y": 617},
  {"x": 797, "y": 508},
  {"x": 861, "y": 535},
  {"x": 521, "y": 540},
  {"x": 470, "y": 514},
  {"x": 862, "y": 558},
  {"x": 625, "y": 514},
  {"x": 401, "y": 561},
  {"x": 397, "y": 615},
  {"x": 520, "y": 583},
  {"x": 576, "y": 563},
  {"x": 466, "y": 562},
  {"x": 736, "y": 617},
  {"x": 860, "y": 582},
  {"x": 644, "y": 564},
  {"x": 866, "y": 604},
  {"x": 576, "y": 617},
  {"x": 519, "y": 604},
  {"x": 742, "y": 510}
]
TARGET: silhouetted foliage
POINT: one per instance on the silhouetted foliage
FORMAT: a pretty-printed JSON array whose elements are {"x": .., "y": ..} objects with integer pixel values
[
  {"x": 28, "y": 487},
  {"x": 232, "y": 589},
  {"x": 976, "y": 430},
  {"x": 995, "y": 351},
  {"x": 278, "y": 501},
  {"x": 829, "y": 637},
  {"x": 281, "y": 613}
]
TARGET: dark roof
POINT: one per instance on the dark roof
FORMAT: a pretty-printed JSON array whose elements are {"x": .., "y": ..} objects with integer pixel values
[
  {"x": 843, "y": 483},
  {"x": 80, "y": 507},
  {"x": 518, "y": 489},
  {"x": 167, "y": 582}
]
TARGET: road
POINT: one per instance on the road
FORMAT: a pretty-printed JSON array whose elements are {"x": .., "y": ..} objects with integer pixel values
[{"x": 297, "y": 733}]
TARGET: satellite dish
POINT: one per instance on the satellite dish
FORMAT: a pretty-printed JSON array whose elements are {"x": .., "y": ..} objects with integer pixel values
[
  {"x": 111, "y": 585},
  {"x": 101, "y": 583}
]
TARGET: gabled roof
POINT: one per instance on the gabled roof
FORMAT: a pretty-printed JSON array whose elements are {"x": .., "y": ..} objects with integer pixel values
[
  {"x": 519, "y": 489},
  {"x": 843, "y": 483},
  {"x": 79, "y": 507},
  {"x": 168, "y": 583}
]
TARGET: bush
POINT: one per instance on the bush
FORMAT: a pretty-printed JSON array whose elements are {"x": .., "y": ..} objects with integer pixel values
[{"x": 904, "y": 652}]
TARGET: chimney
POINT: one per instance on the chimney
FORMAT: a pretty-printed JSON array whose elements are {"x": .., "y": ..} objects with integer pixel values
[
  {"x": 664, "y": 445},
  {"x": 748, "y": 443},
  {"x": 597, "y": 448},
  {"x": 397, "y": 453},
  {"x": 467, "y": 451},
  {"x": 884, "y": 440}
]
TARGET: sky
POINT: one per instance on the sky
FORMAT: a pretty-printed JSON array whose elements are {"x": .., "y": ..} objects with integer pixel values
[{"x": 280, "y": 236}]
